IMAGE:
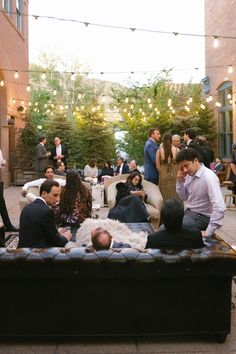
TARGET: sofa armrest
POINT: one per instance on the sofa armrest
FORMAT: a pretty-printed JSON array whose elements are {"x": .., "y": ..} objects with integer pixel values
[{"x": 154, "y": 196}]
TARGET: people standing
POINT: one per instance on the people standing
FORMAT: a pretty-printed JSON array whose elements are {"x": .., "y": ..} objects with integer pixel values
[
  {"x": 189, "y": 139},
  {"x": 167, "y": 167},
  {"x": 59, "y": 153},
  {"x": 199, "y": 187},
  {"x": 150, "y": 171},
  {"x": 3, "y": 209},
  {"x": 42, "y": 155}
]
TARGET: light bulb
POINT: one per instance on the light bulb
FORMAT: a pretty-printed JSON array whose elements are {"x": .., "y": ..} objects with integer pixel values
[
  {"x": 54, "y": 92},
  {"x": 79, "y": 96},
  {"x": 169, "y": 102},
  {"x": 1, "y": 83},
  {"x": 28, "y": 88},
  {"x": 13, "y": 101},
  {"x": 43, "y": 76},
  {"x": 149, "y": 100},
  {"x": 16, "y": 75},
  {"x": 72, "y": 76},
  {"x": 229, "y": 96},
  {"x": 202, "y": 106},
  {"x": 216, "y": 42},
  {"x": 126, "y": 100},
  {"x": 230, "y": 69}
]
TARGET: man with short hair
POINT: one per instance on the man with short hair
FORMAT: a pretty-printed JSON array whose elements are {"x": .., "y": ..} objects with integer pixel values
[
  {"x": 49, "y": 174},
  {"x": 59, "y": 153},
  {"x": 42, "y": 155},
  {"x": 173, "y": 234},
  {"x": 133, "y": 167},
  {"x": 60, "y": 170},
  {"x": 121, "y": 167},
  {"x": 199, "y": 187},
  {"x": 189, "y": 139},
  {"x": 37, "y": 223},
  {"x": 176, "y": 140},
  {"x": 151, "y": 173},
  {"x": 102, "y": 240}
]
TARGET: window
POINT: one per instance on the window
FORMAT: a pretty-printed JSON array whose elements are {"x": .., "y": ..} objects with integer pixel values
[
  {"x": 6, "y": 4},
  {"x": 225, "y": 119},
  {"x": 19, "y": 15}
]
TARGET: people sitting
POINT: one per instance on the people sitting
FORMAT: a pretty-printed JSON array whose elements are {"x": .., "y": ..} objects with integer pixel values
[
  {"x": 91, "y": 172},
  {"x": 121, "y": 168},
  {"x": 130, "y": 200},
  {"x": 102, "y": 240},
  {"x": 133, "y": 166},
  {"x": 60, "y": 170},
  {"x": 107, "y": 171},
  {"x": 75, "y": 203},
  {"x": 37, "y": 223},
  {"x": 173, "y": 234},
  {"x": 49, "y": 174}
]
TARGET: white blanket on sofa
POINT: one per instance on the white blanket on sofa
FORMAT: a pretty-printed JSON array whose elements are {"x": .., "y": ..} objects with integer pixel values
[{"x": 120, "y": 233}]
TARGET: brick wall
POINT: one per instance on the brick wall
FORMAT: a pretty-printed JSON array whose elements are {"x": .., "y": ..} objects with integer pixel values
[
  {"x": 13, "y": 56},
  {"x": 220, "y": 18}
]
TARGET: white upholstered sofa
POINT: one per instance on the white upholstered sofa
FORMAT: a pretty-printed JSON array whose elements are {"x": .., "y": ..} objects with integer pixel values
[{"x": 154, "y": 197}]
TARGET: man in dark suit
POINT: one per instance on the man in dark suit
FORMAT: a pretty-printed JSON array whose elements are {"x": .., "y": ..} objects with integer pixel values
[
  {"x": 59, "y": 153},
  {"x": 102, "y": 240},
  {"x": 42, "y": 155},
  {"x": 121, "y": 167},
  {"x": 37, "y": 224},
  {"x": 173, "y": 234},
  {"x": 189, "y": 139},
  {"x": 151, "y": 173}
]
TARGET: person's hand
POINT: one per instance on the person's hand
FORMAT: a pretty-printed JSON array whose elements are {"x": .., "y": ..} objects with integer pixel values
[
  {"x": 142, "y": 194},
  {"x": 181, "y": 175},
  {"x": 65, "y": 232},
  {"x": 24, "y": 193}
]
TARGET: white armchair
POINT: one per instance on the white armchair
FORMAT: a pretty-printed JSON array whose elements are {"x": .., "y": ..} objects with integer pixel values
[{"x": 154, "y": 198}]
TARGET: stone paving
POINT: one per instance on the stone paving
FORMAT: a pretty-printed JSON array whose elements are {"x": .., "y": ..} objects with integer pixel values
[{"x": 190, "y": 344}]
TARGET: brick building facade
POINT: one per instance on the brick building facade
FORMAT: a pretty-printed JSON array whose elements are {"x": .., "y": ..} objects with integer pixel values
[
  {"x": 219, "y": 82},
  {"x": 13, "y": 93}
]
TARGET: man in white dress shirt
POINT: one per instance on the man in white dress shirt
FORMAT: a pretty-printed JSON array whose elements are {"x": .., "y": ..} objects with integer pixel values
[
  {"x": 49, "y": 174},
  {"x": 199, "y": 187}
]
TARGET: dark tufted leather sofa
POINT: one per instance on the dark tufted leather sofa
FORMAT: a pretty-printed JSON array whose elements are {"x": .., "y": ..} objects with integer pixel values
[{"x": 59, "y": 292}]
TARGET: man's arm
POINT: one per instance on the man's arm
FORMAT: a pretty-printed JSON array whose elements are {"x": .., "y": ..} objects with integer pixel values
[
  {"x": 51, "y": 233},
  {"x": 41, "y": 152},
  {"x": 218, "y": 207},
  {"x": 180, "y": 185},
  {"x": 35, "y": 183},
  {"x": 151, "y": 152}
]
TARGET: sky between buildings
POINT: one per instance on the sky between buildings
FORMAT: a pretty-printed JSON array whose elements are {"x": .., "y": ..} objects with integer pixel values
[{"x": 121, "y": 50}]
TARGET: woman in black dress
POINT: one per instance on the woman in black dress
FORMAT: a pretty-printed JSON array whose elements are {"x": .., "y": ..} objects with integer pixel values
[{"x": 130, "y": 207}]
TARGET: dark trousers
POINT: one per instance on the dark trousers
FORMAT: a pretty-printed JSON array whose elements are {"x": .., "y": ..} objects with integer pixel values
[
  {"x": 195, "y": 220},
  {"x": 3, "y": 209}
]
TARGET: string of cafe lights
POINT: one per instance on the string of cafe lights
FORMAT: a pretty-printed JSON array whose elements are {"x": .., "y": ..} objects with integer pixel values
[
  {"x": 216, "y": 37},
  {"x": 44, "y": 73}
]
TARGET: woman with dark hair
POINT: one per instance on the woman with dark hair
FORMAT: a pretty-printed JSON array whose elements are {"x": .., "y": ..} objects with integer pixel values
[
  {"x": 106, "y": 172},
  {"x": 75, "y": 202},
  {"x": 167, "y": 167},
  {"x": 91, "y": 172},
  {"x": 130, "y": 199}
]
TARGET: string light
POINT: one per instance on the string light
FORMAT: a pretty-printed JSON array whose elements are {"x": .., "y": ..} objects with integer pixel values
[
  {"x": 119, "y": 27},
  {"x": 230, "y": 69},
  {"x": 16, "y": 75},
  {"x": 215, "y": 42}
]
